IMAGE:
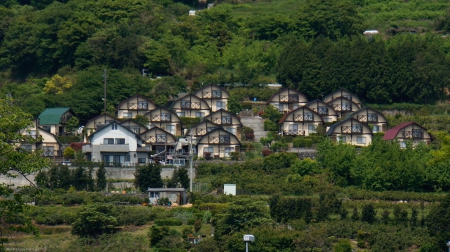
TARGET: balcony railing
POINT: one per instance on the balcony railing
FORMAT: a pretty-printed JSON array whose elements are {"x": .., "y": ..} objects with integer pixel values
[
  {"x": 368, "y": 118},
  {"x": 139, "y": 105},
  {"x": 323, "y": 111},
  {"x": 201, "y": 132},
  {"x": 413, "y": 134},
  {"x": 220, "y": 139},
  {"x": 342, "y": 107},
  {"x": 303, "y": 118},
  {"x": 294, "y": 132},
  {"x": 190, "y": 105},
  {"x": 160, "y": 118},
  {"x": 289, "y": 98},
  {"x": 223, "y": 120},
  {"x": 207, "y": 94},
  {"x": 351, "y": 129}
]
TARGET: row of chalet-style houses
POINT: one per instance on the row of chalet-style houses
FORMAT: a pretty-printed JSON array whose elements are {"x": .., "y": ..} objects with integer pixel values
[
  {"x": 354, "y": 124},
  {"x": 121, "y": 140}
]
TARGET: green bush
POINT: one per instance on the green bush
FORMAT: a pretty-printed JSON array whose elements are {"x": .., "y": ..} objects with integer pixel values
[
  {"x": 191, "y": 221},
  {"x": 94, "y": 221},
  {"x": 270, "y": 126},
  {"x": 168, "y": 222}
]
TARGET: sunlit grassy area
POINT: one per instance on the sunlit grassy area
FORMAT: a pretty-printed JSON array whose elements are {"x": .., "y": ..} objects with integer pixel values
[{"x": 379, "y": 15}]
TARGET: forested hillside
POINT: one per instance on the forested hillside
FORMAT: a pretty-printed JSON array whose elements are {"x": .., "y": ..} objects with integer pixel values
[{"x": 52, "y": 53}]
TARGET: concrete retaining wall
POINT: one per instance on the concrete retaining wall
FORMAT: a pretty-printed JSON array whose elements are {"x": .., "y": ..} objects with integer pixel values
[{"x": 111, "y": 173}]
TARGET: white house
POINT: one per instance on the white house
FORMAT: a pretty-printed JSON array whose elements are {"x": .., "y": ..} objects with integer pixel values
[{"x": 116, "y": 146}]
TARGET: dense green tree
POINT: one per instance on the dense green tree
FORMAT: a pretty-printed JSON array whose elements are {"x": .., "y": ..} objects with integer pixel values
[
  {"x": 101, "y": 177},
  {"x": 148, "y": 176},
  {"x": 94, "y": 221},
  {"x": 368, "y": 213}
]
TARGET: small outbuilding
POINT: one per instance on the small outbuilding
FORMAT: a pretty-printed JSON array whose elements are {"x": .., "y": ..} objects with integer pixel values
[{"x": 175, "y": 195}]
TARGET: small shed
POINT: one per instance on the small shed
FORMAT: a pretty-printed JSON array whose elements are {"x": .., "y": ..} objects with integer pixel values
[{"x": 154, "y": 194}]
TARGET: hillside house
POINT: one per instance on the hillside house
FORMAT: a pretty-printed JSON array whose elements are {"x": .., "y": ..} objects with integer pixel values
[
  {"x": 216, "y": 97},
  {"x": 408, "y": 131},
  {"x": 350, "y": 131},
  {"x": 133, "y": 106},
  {"x": 54, "y": 120},
  {"x": 287, "y": 99},
  {"x": 302, "y": 121}
]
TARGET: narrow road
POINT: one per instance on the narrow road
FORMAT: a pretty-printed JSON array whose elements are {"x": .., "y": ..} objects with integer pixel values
[{"x": 256, "y": 124}]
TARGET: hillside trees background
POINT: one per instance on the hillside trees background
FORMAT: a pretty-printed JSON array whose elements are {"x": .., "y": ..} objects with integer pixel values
[{"x": 317, "y": 48}]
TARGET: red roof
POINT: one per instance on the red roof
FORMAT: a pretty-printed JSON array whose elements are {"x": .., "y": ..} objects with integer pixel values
[
  {"x": 283, "y": 118},
  {"x": 392, "y": 133}
]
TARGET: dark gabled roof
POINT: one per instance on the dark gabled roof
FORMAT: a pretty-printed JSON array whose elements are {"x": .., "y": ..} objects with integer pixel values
[
  {"x": 340, "y": 89},
  {"x": 218, "y": 129},
  {"x": 136, "y": 95},
  {"x": 334, "y": 126},
  {"x": 287, "y": 88},
  {"x": 156, "y": 128},
  {"x": 364, "y": 108},
  {"x": 190, "y": 95},
  {"x": 102, "y": 114},
  {"x": 392, "y": 133},
  {"x": 283, "y": 118},
  {"x": 119, "y": 125},
  {"x": 52, "y": 116}
]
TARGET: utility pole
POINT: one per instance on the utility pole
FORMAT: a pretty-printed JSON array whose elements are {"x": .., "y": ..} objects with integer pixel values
[{"x": 104, "y": 91}]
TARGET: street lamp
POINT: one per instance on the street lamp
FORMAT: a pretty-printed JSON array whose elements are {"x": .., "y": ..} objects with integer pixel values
[{"x": 248, "y": 238}]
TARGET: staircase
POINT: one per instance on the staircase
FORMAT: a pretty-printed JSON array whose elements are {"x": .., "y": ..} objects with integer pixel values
[{"x": 256, "y": 124}]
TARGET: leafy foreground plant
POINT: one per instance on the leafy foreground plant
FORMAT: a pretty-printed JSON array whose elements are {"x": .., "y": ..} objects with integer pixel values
[{"x": 94, "y": 221}]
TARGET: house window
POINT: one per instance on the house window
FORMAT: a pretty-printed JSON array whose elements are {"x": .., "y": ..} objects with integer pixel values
[
  {"x": 312, "y": 129},
  {"x": 417, "y": 133},
  {"x": 108, "y": 140},
  {"x": 49, "y": 151},
  {"x": 31, "y": 133},
  {"x": 228, "y": 150},
  {"x": 114, "y": 126},
  {"x": 220, "y": 105},
  {"x": 165, "y": 117},
  {"x": 342, "y": 139},
  {"x": 308, "y": 117},
  {"x": 181, "y": 114},
  {"x": 402, "y": 144},
  {"x": 127, "y": 114},
  {"x": 160, "y": 138},
  {"x": 280, "y": 107},
  {"x": 142, "y": 160},
  {"x": 216, "y": 94},
  {"x": 327, "y": 119},
  {"x": 134, "y": 129},
  {"x": 185, "y": 104},
  {"x": 232, "y": 130},
  {"x": 376, "y": 128},
  {"x": 348, "y": 97},
  {"x": 120, "y": 140},
  {"x": 170, "y": 129},
  {"x": 199, "y": 114},
  {"x": 323, "y": 110},
  {"x": 27, "y": 147},
  {"x": 209, "y": 129},
  {"x": 225, "y": 139},
  {"x": 356, "y": 128},
  {"x": 361, "y": 140},
  {"x": 372, "y": 117},
  {"x": 142, "y": 105},
  {"x": 46, "y": 128},
  {"x": 346, "y": 106},
  {"x": 208, "y": 149},
  {"x": 293, "y": 127},
  {"x": 226, "y": 120},
  {"x": 127, "y": 158}
]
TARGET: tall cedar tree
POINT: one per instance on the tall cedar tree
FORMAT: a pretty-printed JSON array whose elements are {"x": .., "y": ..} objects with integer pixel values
[
  {"x": 101, "y": 177},
  {"x": 148, "y": 177}
]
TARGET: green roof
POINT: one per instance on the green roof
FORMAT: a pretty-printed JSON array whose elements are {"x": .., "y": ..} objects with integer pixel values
[{"x": 51, "y": 116}]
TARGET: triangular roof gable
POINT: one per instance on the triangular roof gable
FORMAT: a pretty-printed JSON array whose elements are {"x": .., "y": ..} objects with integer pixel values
[
  {"x": 283, "y": 118},
  {"x": 289, "y": 90},
  {"x": 367, "y": 108},
  {"x": 131, "y": 121},
  {"x": 118, "y": 125},
  {"x": 207, "y": 121},
  {"x": 136, "y": 96},
  {"x": 210, "y": 86},
  {"x": 330, "y": 108},
  {"x": 157, "y": 128},
  {"x": 52, "y": 116},
  {"x": 334, "y": 126},
  {"x": 392, "y": 133},
  {"x": 222, "y": 111},
  {"x": 190, "y": 96},
  {"x": 342, "y": 98},
  {"x": 340, "y": 91},
  {"x": 42, "y": 132},
  {"x": 221, "y": 130},
  {"x": 165, "y": 109},
  {"x": 102, "y": 114}
]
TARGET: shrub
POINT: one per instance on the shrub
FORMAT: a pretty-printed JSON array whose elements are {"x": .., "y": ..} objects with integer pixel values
[
  {"x": 343, "y": 246},
  {"x": 93, "y": 222},
  {"x": 197, "y": 225},
  {"x": 266, "y": 152},
  {"x": 168, "y": 222},
  {"x": 270, "y": 126}
]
